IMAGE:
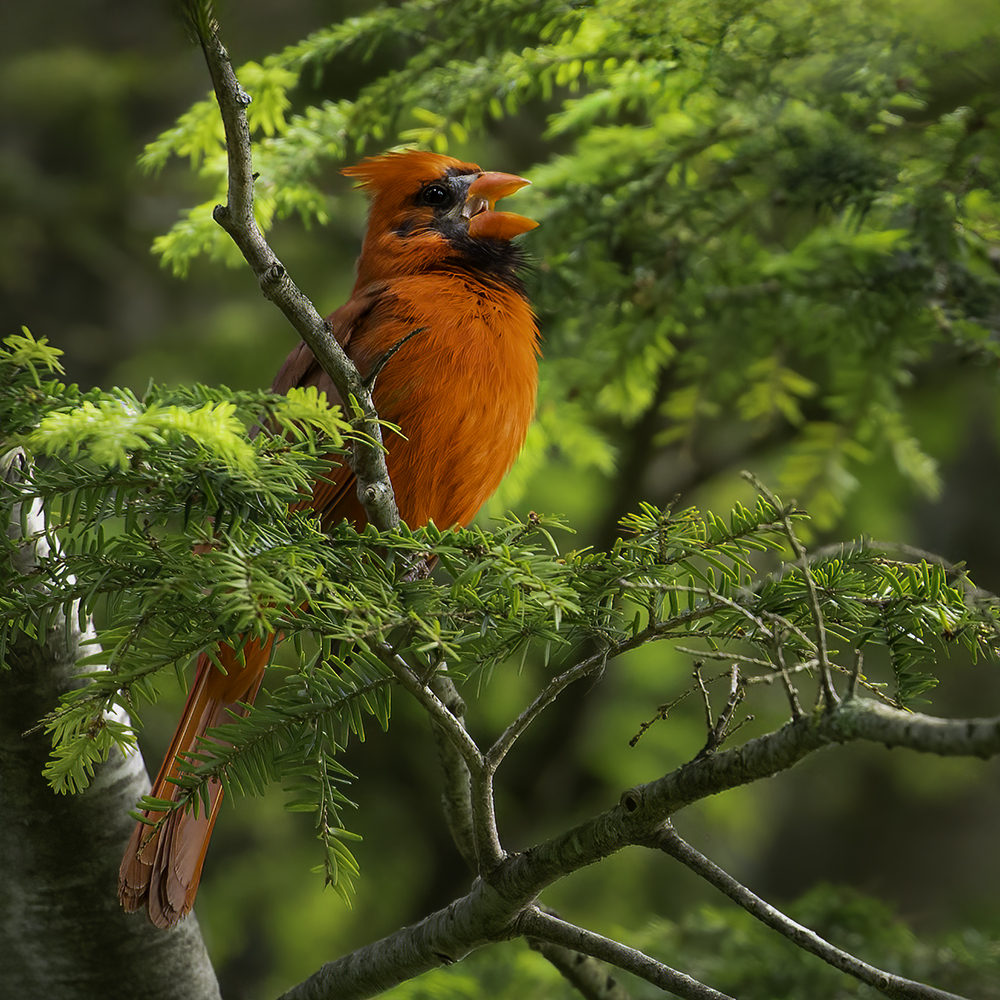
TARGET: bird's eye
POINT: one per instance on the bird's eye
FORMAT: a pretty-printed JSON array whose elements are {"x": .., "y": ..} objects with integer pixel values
[{"x": 435, "y": 195}]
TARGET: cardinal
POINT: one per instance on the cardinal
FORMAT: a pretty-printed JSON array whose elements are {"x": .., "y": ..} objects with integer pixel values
[{"x": 439, "y": 313}]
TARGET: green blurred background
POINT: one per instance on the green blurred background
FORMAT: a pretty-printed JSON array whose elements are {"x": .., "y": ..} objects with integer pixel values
[{"x": 83, "y": 86}]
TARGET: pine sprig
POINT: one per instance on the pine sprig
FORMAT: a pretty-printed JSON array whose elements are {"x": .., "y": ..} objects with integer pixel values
[{"x": 157, "y": 529}]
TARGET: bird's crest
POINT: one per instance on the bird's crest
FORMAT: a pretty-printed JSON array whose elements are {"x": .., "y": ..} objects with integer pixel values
[{"x": 405, "y": 170}]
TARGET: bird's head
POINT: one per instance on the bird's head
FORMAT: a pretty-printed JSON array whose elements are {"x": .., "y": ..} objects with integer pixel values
[{"x": 430, "y": 211}]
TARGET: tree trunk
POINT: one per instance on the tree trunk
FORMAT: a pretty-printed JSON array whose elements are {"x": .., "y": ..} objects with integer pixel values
[{"x": 62, "y": 932}]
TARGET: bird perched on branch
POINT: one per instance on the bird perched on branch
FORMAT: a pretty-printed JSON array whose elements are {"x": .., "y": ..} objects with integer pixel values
[{"x": 437, "y": 258}]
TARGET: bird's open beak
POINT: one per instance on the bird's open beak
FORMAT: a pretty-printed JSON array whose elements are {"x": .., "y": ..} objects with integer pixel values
[{"x": 484, "y": 192}]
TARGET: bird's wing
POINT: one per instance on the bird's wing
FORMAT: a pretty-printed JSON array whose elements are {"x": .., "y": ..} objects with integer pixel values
[{"x": 335, "y": 495}]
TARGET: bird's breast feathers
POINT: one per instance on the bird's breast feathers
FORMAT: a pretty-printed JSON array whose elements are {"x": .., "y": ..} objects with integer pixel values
[{"x": 462, "y": 389}]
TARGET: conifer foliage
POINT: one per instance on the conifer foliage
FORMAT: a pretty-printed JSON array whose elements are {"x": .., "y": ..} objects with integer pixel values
[{"x": 761, "y": 216}]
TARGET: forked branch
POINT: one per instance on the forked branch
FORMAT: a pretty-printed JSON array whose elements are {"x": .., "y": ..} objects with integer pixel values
[{"x": 485, "y": 839}]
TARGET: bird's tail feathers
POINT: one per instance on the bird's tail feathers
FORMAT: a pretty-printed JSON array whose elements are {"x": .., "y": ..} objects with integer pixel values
[{"x": 162, "y": 864}]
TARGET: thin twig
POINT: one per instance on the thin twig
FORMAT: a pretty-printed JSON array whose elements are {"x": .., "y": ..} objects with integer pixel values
[
  {"x": 706, "y": 701},
  {"x": 852, "y": 684},
  {"x": 546, "y": 927},
  {"x": 719, "y": 731},
  {"x": 805, "y": 667},
  {"x": 458, "y": 734},
  {"x": 721, "y": 654},
  {"x": 597, "y": 662},
  {"x": 736, "y": 694},
  {"x": 786, "y": 680},
  {"x": 663, "y": 711},
  {"x": 669, "y": 624},
  {"x": 830, "y": 698},
  {"x": 889, "y": 985},
  {"x": 548, "y": 694},
  {"x": 774, "y": 672}
]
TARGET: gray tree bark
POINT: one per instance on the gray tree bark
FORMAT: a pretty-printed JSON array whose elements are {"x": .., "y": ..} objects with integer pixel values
[{"x": 62, "y": 933}]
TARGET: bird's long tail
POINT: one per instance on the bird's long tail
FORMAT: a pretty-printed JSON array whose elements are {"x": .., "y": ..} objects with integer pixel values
[{"x": 162, "y": 865}]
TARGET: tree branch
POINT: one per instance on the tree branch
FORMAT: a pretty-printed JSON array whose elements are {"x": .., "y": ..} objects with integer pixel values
[
  {"x": 786, "y": 680},
  {"x": 442, "y": 938},
  {"x": 643, "y": 809},
  {"x": 549, "y": 693},
  {"x": 433, "y": 705},
  {"x": 719, "y": 730},
  {"x": 889, "y": 985},
  {"x": 547, "y": 927},
  {"x": 237, "y": 219},
  {"x": 457, "y": 795},
  {"x": 588, "y": 975},
  {"x": 597, "y": 661},
  {"x": 496, "y": 907},
  {"x": 488, "y": 851}
]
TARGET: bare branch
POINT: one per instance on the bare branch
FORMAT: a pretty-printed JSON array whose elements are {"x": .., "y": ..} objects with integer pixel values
[
  {"x": 444, "y": 937},
  {"x": 720, "y": 731},
  {"x": 237, "y": 219},
  {"x": 720, "y": 654},
  {"x": 644, "y": 809},
  {"x": 663, "y": 711},
  {"x": 430, "y": 701},
  {"x": 598, "y": 660},
  {"x": 864, "y": 719},
  {"x": 857, "y": 719},
  {"x": 457, "y": 795},
  {"x": 546, "y": 927},
  {"x": 500, "y": 903},
  {"x": 889, "y": 985},
  {"x": 488, "y": 851},
  {"x": 852, "y": 687},
  {"x": 706, "y": 700},
  {"x": 586, "y": 973}
]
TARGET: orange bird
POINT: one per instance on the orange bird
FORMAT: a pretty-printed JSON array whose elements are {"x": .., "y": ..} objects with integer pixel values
[{"x": 437, "y": 257}]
